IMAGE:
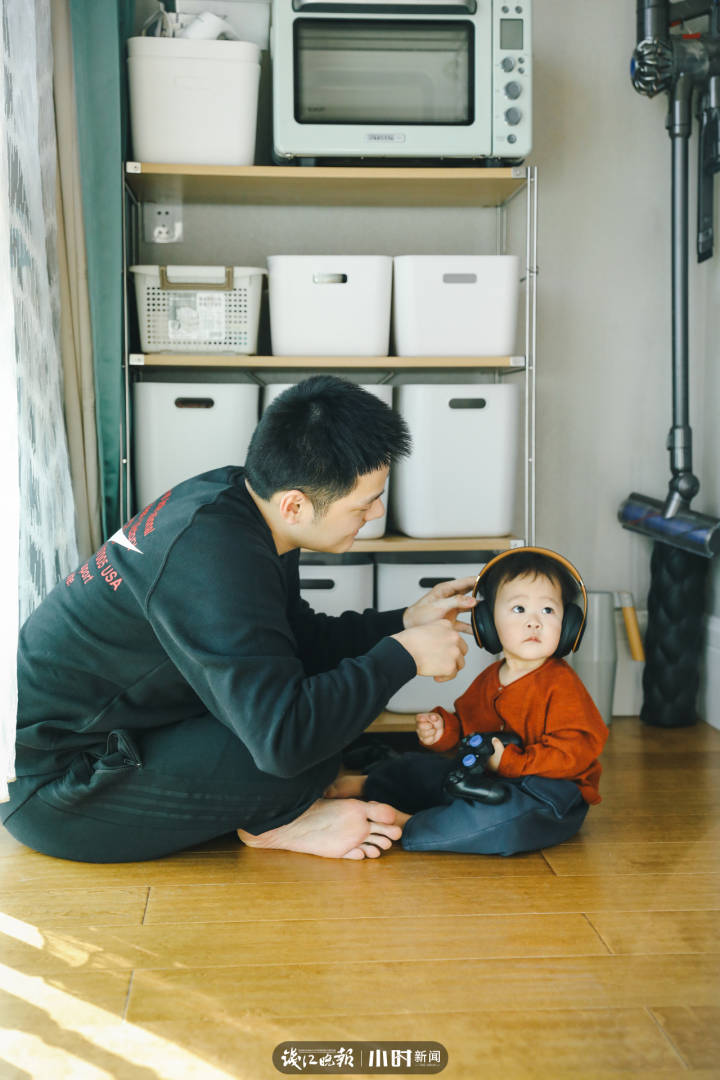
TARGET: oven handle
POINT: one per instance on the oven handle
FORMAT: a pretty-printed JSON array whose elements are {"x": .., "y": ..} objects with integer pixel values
[{"x": 391, "y": 7}]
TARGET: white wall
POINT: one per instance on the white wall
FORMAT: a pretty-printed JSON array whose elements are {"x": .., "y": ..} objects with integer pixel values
[{"x": 604, "y": 349}]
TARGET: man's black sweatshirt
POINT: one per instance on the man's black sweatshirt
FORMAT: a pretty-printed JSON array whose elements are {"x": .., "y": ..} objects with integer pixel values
[{"x": 189, "y": 610}]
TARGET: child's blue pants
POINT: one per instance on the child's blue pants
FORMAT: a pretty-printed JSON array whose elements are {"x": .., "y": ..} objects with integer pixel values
[{"x": 538, "y": 813}]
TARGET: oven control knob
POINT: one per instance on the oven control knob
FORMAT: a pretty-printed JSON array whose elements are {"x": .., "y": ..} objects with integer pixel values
[
  {"x": 513, "y": 90},
  {"x": 513, "y": 116},
  {"x": 507, "y": 63}
]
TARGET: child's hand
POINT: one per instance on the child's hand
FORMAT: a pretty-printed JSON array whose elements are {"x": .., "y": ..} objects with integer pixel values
[
  {"x": 493, "y": 763},
  {"x": 429, "y": 727}
]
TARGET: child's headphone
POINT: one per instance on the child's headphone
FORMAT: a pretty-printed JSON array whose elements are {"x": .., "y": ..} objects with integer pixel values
[{"x": 574, "y": 617}]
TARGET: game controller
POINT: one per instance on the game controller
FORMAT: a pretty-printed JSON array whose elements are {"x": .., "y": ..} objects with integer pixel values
[{"x": 469, "y": 779}]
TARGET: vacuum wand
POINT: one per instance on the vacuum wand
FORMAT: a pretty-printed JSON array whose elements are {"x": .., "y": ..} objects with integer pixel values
[{"x": 681, "y": 66}]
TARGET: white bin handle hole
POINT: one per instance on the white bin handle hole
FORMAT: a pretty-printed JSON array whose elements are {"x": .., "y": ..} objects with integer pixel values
[
  {"x": 317, "y": 583},
  {"x": 194, "y": 403},
  {"x": 459, "y": 279},
  {"x": 467, "y": 403},
  {"x": 329, "y": 279},
  {"x": 431, "y": 582}
]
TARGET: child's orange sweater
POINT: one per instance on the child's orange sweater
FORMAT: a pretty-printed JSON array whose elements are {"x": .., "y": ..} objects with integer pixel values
[{"x": 552, "y": 712}]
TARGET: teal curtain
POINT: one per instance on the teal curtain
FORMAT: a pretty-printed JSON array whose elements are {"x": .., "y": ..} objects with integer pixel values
[{"x": 99, "y": 32}]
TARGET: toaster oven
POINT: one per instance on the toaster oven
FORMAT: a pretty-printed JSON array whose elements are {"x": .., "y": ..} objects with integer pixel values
[{"x": 401, "y": 78}]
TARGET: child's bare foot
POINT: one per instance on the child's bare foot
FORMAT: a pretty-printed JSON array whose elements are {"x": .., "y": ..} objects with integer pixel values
[
  {"x": 346, "y": 786},
  {"x": 350, "y": 829}
]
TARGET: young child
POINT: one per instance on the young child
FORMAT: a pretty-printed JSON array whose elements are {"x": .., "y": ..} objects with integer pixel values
[{"x": 543, "y": 787}]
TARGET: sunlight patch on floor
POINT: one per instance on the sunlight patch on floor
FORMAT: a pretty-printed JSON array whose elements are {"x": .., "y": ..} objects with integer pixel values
[{"x": 50, "y": 1032}]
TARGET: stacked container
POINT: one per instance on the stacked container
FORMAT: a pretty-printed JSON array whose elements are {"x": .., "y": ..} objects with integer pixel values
[
  {"x": 330, "y": 305},
  {"x": 460, "y": 478},
  {"x": 333, "y": 584},
  {"x": 192, "y": 101},
  {"x": 185, "y": 428},
  {"x": 206, "y": 309},
  {"x": 455, "y": 305}
]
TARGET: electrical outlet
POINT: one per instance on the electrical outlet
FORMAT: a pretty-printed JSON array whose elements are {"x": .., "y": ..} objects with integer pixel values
[{"x": 162, "y": 223}]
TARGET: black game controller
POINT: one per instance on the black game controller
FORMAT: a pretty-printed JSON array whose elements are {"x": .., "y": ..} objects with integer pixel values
[{"x": 468, "y": 778}]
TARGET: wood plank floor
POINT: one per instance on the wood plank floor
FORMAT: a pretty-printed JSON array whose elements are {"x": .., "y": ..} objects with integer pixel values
[{"x": 596, "y": 959}]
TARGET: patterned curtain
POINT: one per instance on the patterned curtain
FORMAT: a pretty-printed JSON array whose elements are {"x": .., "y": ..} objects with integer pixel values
[{"x": 29, "y": 329}]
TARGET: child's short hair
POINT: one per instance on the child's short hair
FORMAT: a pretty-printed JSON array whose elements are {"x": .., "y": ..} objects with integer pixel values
[{"x": 534, "y": 563}]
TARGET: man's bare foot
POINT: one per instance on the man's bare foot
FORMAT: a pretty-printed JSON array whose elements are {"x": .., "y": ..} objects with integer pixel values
[
  {"x": 346, "y": 786},
  {"x": 347, "y": 829}
]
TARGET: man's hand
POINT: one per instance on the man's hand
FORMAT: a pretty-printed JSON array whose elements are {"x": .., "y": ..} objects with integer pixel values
[
  {"x": 436, "y": 648},
  {"x": 429, "y": 727},
  {"x": 444, "y": 601}
]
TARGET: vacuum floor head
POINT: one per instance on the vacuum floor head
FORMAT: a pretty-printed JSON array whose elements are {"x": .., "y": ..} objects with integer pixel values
[{"x": 685, "y": 529}]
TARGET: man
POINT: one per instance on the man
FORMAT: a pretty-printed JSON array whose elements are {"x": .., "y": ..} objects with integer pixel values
[{"x": 177, "y": 687}]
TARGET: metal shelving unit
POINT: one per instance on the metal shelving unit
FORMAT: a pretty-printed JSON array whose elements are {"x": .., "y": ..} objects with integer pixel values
[{"x": 355, "y": 186}]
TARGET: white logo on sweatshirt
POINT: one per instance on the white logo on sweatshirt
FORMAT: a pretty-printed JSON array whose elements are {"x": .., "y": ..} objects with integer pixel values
[{"x": 120, "y": 538}]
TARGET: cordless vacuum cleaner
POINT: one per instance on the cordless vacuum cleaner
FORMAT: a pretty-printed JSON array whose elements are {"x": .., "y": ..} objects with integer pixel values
[{"x": 687, "y": 67}]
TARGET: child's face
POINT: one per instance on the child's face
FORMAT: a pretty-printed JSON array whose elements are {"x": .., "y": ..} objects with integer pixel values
[{"x": 528, "y": 617}]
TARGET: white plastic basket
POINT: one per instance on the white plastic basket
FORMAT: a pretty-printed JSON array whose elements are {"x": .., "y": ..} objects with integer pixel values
[
  {"x": 333, "y": 589},
  {"x": 185, "y": 428},
  {"x": 456, "y": 305},
  {"x": 463, "y": 484},
  {"x": 209, "y": 309},
  {"x": 330, "y": 305}
]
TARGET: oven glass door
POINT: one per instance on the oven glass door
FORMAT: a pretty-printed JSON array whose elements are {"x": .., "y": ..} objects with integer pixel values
[{"x": 372, "y": 71}]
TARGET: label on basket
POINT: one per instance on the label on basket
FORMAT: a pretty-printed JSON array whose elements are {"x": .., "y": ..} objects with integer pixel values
[{"x": 196, "y": 316}]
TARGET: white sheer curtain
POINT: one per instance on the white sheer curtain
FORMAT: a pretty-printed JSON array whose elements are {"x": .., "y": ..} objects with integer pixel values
[
  {"x": 37, "y": 545},
  {"x": 9, "y": 487}
]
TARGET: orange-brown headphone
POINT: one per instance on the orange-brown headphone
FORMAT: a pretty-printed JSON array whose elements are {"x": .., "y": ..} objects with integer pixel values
[{"x": 574, "y": 617}]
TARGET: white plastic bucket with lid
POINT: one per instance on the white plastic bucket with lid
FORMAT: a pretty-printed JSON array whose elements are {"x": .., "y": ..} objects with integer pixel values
[{"x": 193, "y": 102}]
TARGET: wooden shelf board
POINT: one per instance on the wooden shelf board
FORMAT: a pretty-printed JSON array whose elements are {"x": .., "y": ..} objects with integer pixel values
[
  {"x": 396, "y": 542},
  {"x": 383, "y": 363},
  {"x": 274, "y": 185}
]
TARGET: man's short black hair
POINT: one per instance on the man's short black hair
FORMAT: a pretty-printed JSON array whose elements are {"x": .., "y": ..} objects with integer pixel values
[
  {"x": 534, "y": 563},
  {"x": 320, "y": 436}
]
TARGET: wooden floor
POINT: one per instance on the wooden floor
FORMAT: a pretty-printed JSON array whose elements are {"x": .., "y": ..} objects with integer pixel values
[{"x": 599, "y": 958}]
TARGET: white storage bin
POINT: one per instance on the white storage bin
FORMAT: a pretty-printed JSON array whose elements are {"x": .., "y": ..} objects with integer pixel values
[
  {"x": 193, "y": 102},
  {"x": 330, "y": 305},
  {"x": 455, "y": 305},
  {"x": 461, "y": 475},
  {"x": 182, "y": 429},
  {"x": 209, "y": 309},
  {"x": 371, "y": 530},
  {"x": 401, "y": 584},
  {"x": 333, "y": 587}
]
